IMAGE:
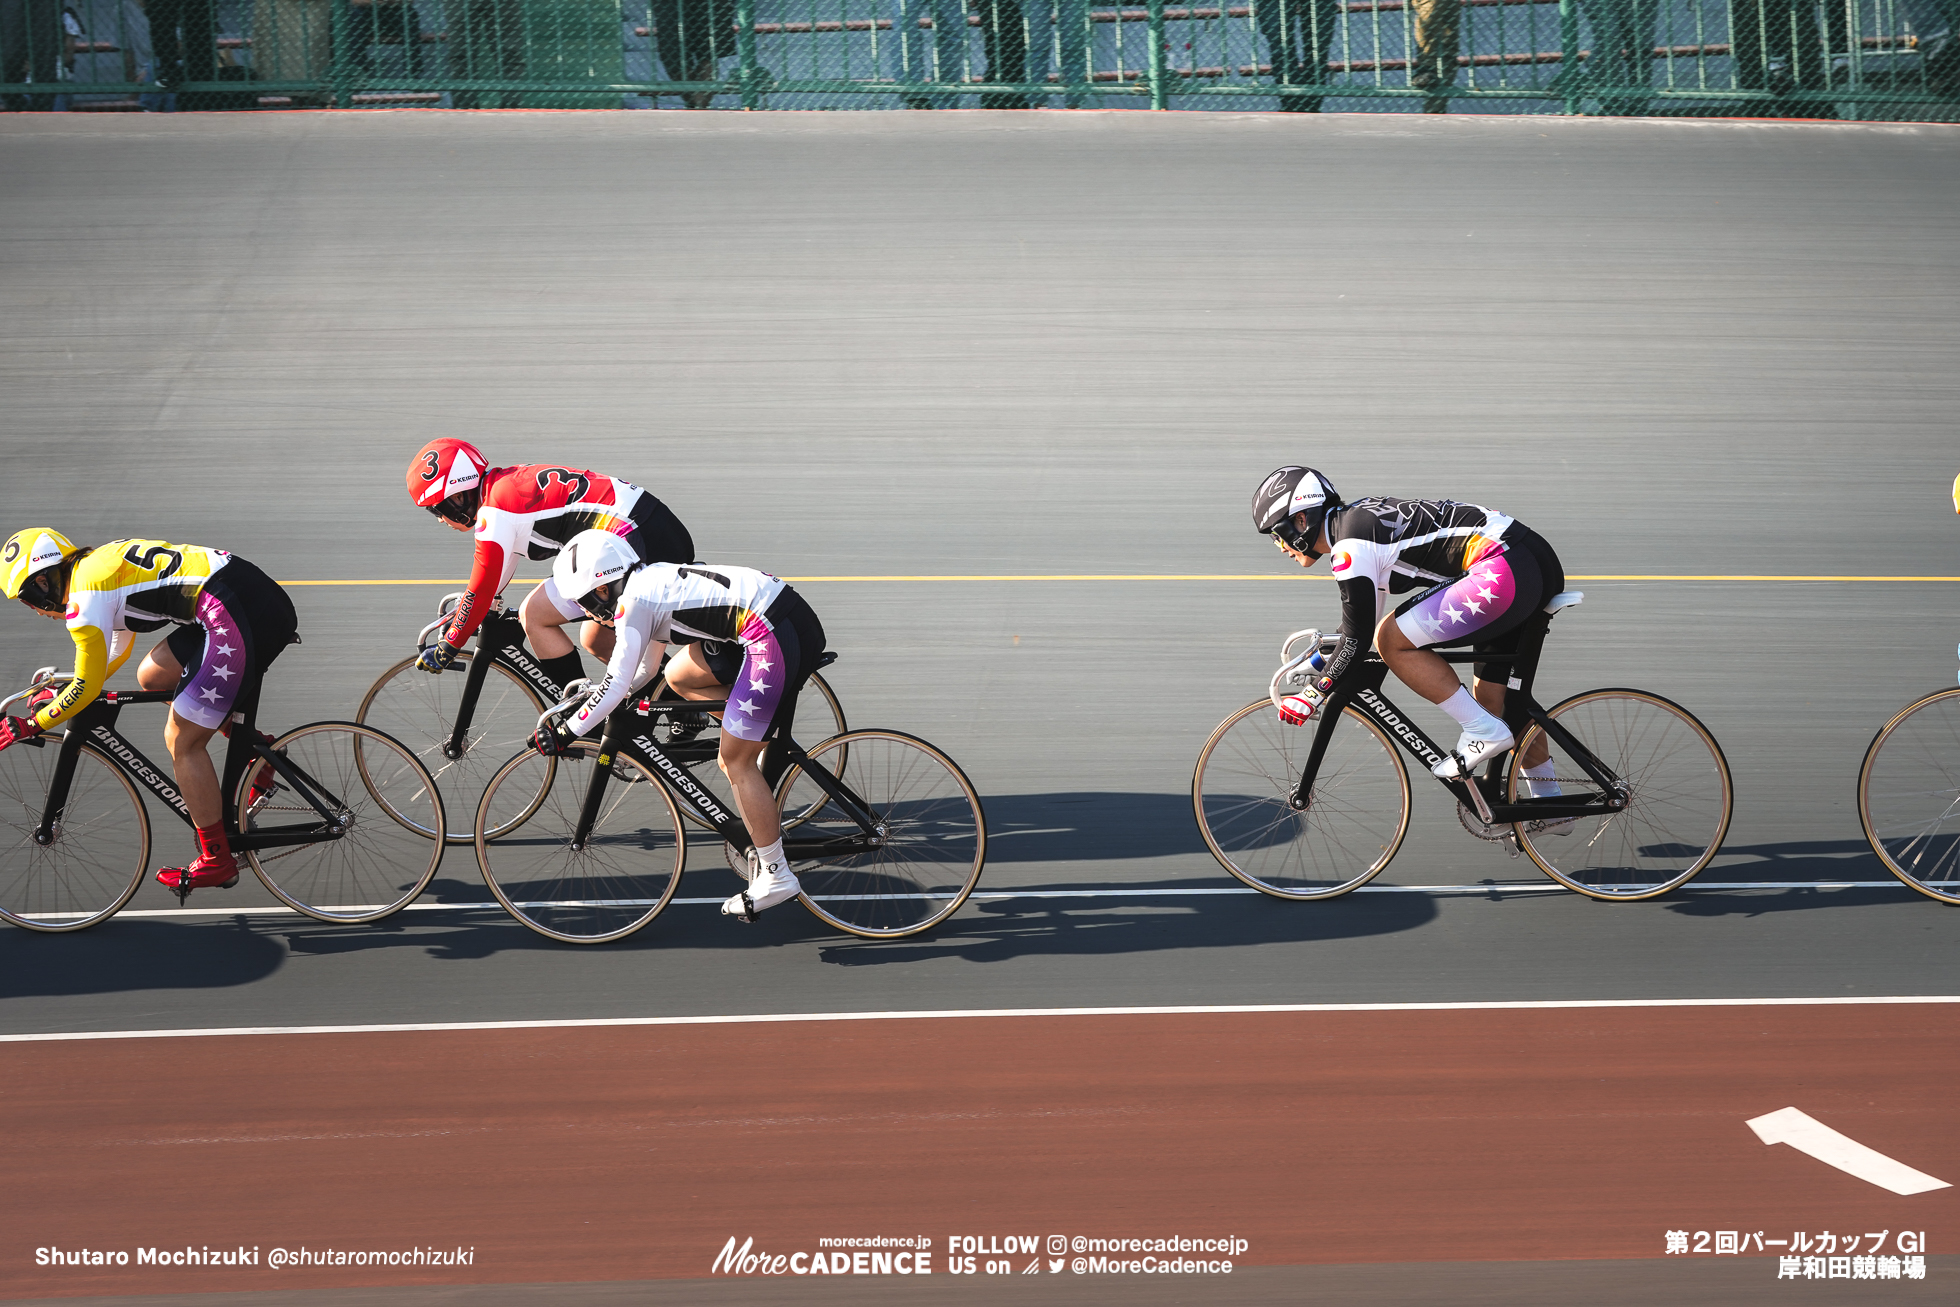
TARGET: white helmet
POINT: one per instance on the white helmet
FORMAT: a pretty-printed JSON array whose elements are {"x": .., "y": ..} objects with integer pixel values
[{"x": 592, "y": 569}]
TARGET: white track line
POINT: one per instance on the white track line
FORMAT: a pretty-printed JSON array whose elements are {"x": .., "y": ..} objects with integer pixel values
[
  {"x": 979, "y": 896},
  {"x": 789, "y": 1017},
  {"x": 1808, "y": 1135}
]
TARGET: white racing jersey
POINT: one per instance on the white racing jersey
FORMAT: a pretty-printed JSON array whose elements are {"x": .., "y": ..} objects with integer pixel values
[{"x": 702, "y": 600}]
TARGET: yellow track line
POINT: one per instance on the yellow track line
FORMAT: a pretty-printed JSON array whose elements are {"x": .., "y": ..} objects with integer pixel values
[{"x": 1215, "y": 576}]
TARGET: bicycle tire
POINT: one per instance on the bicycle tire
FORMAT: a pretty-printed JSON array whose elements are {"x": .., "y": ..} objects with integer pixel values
[
  {"x": 101, "y": 848},
  {"x": 612, "y": 886},
  {"x": 934, "y": 844},
  {"x": 1357, "y": 817},
  {"x": 707, "y": 773},
  {"x": 419, "y": 710},
  {"x": 1670, "y": 829},
  {"x": 1909, "y": 795},
  {"x": 358, "y": 877}
]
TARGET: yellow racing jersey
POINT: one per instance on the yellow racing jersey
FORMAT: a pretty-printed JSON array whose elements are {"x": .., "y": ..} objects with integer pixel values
[{"x": 122, "y": 587}]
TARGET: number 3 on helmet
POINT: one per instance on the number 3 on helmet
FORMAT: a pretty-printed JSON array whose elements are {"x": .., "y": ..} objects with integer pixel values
[{"x": 446, "y": 477}]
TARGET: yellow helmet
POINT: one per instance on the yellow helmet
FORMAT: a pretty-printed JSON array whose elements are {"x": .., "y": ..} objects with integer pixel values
[
  {"x": 30, "y": 568},
  {"x": 1956, "y": 494}
]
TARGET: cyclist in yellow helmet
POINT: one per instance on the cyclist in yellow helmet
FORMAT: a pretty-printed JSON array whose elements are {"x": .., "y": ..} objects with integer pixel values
[{"x": 232, "y": 620}]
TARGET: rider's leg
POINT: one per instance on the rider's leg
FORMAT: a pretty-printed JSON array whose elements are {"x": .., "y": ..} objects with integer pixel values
[
  {"x": 159, "y": 669},
  {"x": 598, "y": 641},
  {"x": 691, "y": 677},
  {"x": 1491, "y": 695},
  {"x": 197, "y": 778},
  {"x": 544, "y": 617}
]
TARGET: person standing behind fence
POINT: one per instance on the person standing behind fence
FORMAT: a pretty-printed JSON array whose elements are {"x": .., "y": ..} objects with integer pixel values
[
  {"x": 1298, "y": 34},
  {"x": 30, "y": 46},
  {"x": 184, "y": 40},
  {"x": 1778, "y": 48},
  {"x": 1435, "y": 24},
  {"x": 915, "y": 60},
  {"x": 1020, "y": 37},
  {"x": 693, "y": 37},
  {"x": 1622, "y": 55},
  {"x": 488, "y": 38}
]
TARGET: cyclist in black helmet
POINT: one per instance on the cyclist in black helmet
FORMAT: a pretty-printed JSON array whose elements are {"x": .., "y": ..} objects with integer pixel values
[{"x": 1477, "y": 573}]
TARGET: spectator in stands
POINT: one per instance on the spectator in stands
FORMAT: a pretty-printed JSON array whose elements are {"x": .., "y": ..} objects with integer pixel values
[
  {"x": 1436, "y": 46},
  {"x": 184, "y": 38},
  {"x": 1298, "y": 34},
  {"x": 487, "y": 38},
  {"x": 693, "y": 37},
  {"x": 915, "y": 60},
  {"x": 30, "y": 48},
  {"x": 1020, "y": 37},
  {"x": 1623, "y": 50},
  {"x": 1778, "y": 48}
]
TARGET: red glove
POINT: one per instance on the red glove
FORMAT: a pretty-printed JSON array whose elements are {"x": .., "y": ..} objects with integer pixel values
[
  {"x": 15, "y": 729},
  {"x": 1298, "y": 709}
]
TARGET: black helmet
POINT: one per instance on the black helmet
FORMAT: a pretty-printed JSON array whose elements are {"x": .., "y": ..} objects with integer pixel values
[{"x": 1287, "y": 493}]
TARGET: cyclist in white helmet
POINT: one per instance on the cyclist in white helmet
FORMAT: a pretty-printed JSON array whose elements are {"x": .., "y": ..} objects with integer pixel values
[{"x": 649, "y": 605}]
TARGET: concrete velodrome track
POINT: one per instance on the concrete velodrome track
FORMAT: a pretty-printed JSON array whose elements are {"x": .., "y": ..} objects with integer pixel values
[{"x": 995, "y": 389}]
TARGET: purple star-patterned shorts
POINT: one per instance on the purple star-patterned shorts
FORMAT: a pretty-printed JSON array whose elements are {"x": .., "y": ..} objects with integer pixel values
[
  {"x": 1508, "y": 582},
  {"x": 779, "y": 650},
  {"x": 243, "y": 620}
]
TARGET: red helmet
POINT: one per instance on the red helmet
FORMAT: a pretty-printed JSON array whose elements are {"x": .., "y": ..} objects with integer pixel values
[{"x": 447, "y": 470}]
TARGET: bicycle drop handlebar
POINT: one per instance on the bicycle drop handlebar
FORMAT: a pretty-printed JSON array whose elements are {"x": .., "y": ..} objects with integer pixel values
[{"x": 1290, "y": 663}]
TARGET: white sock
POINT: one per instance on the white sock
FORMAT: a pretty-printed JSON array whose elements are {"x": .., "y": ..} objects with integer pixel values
[
  {"x": 771, "y": 857},
  {"x": 1542, "y": 784},
  {"x": 1472, "y": 717}
]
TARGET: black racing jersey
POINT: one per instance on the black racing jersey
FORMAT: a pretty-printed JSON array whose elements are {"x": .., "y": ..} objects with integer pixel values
[{"x": 1381, "y": 546}]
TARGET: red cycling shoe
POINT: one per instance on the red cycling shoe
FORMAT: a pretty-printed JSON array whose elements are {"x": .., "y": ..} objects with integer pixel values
[{"x": 208, "y": 872}]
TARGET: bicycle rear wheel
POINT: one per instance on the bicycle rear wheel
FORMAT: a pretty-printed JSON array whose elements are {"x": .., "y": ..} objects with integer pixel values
[
  {"x": 1356, "y": 817},
  {"x": 1679, "y": 797},
  {"x": 817, "y": 708},
  {"x": 101, "y": 844},
  {"x": 420, "y": 710},
  {"x": 604, "y": 889},
  {"x": 377, "y": 792},
  {"x": 931, "y": 834},
  {"x": 1909, "y": 795}
]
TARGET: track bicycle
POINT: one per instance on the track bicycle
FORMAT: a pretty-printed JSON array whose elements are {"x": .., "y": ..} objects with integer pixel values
[
  {"x": 883, "y": 830},
  {"x": 1909, "y": 795},
  {"x": 466, "y": 722},
  {"x": 331, "y": 816},
  {"x": 1305, "y": 813}
]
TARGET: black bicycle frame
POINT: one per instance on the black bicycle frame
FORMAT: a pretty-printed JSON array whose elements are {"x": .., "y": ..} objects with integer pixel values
[
  {"x": 96, "y": 726},
  {"x": 629, "y": 732},
  {"x": 1361, "y": 688},
  {"x": 500, "y": 640}
]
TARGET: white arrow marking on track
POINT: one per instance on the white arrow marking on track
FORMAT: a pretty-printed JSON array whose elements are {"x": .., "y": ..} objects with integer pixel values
[{"x": 1808, "y": 1135}]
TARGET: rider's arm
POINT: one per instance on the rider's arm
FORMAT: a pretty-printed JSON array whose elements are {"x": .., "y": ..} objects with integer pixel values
[
  {"x": 1361, "y": 568},
  {"x": 496, "y": 559},
  {"x": 96, "y": 660},
  {"x": 635, "y": 658}
]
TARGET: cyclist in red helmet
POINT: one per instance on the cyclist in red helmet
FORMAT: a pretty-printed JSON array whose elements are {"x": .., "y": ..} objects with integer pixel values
[{"x": 529, "y": 512}]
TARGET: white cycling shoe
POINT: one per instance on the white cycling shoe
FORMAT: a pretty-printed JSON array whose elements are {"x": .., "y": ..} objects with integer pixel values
[
  {"x": 767, "y": 888},
  {"x": 1471, "y": 751}
]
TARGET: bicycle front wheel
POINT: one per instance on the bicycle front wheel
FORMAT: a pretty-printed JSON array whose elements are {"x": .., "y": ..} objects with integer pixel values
[
  {"x": 1909, "y": 795},
  {"x": 420, "y": 710},
  {"x": 1679, "y": 796},
  {"x": 588, "y": 891},
  {"x": 1354, "y": 821},
  {"x": 101, "y": 844},
  {"x": 376, "y": 792},
  {"x": 927, "y": 844}
]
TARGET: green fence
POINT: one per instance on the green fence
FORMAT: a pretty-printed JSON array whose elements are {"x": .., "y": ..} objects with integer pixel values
[{"x": 1805, "y": 58}]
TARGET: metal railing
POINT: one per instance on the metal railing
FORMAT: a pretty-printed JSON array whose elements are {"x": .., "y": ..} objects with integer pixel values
[{"x": 1803, "y": 58}]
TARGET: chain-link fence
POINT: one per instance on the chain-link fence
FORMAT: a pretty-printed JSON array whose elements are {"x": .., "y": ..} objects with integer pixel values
[{"x": 1778, "y": 58}]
